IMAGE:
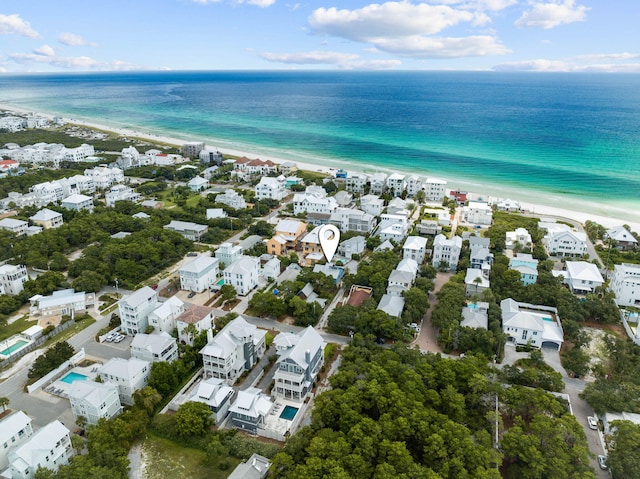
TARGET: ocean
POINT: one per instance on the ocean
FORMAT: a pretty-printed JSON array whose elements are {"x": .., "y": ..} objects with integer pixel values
[{"x": 566, "y": 140}]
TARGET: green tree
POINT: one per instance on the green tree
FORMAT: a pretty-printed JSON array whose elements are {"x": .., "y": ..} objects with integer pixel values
[
  {"x": 163, "y": 378},
  {"x": 147, "y": 399},
  {"x": 193, "y": 419},
  {"x": 228, "y": 293},
  {"x": 624, "y": 451},
  {"x": 89, "y": 281}
]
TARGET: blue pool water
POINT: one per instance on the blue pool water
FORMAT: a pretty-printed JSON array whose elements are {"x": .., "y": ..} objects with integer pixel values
[
  {"x": 288, "y": 413},
  {"x": 71, "y": 377},
  {"x": 13, "y": 348}
]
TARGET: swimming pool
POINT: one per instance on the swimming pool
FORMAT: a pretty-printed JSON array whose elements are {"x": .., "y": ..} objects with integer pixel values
[
  {"x": 73, "y": 376},
  {"x": 288, "y": 413},
  {"x": 14, "y": 347}
]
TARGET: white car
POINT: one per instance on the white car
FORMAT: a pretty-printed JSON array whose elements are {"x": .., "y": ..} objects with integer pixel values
[
  {"x": 593, "y": 422},
  {"x": 602, "y": 462},
  {"x": 415, "y": 327},
  {"x": 118, "y": 338}
]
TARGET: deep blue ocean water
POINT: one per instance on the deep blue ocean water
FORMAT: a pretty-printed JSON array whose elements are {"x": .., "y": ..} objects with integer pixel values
[{"x": 569, "y": 140}]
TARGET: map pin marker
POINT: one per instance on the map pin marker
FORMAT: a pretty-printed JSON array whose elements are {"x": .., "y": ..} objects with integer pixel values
[{"x": 329, "y": 236}]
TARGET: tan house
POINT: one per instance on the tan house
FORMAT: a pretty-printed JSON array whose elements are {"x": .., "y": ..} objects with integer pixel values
[
  {"x": 286, "y": 238},
  {"x": 311, "y": 249}
]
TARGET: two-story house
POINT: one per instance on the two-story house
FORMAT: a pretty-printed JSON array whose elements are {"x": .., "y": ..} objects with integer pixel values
[
  {"x": 154, "y": 347},
  {"x": 94, "y": 401},
  {"x": 228, "y": 253},
  {"x": 201, "y": 317},
  {"x": 527, "y": 266},
  {"x": 582, "y": 277},
  {"x": 163, "y": 318},
  {"x": 17, "y": 227},
  {"x": 250, "y": 410},
  {"x": 191, "y": 231},
  {"x": 15, "y": 428},
  {"x": 519, "y": 237},
  {"x": 529, "y": 324},
  {"x": 47, "y": 219},
  {"x": 286, "y": 237},
  {"x": 232, "y": 199},
  {"x": 217, "y": 395},
  {"x": 562, "y": 241}
]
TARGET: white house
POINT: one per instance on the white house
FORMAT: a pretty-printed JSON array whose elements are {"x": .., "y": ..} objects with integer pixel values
[
  {"x": 202, "y": 319},
  {"x": 17, "y": 227},
  {"x": 300, "y": 357},
  {"x": 623, "y": 238},
  {"x": 391, "y": 304},
  {"x": 393, "y": 227},
  {"x": 476, "y": 281},
  {"x": 250, "y": 410},
  {"x": 15, "y": 429},
  {"x": 47, "y": 218},
  {"x": 232, "y": 199},
  {"x": 60, "y": 303},
  {"x": 103, "y": 177},
  {"x": 199, "y": 274},
  {"x": 561, "y": 240},
  {"x": 313, "y": 203},
  {"x": 12, "y": 278},
  {"x": 154, "y": 347},
  {"x": 121, "y": 193},
  {"x": 396, "y": 183},
  {"x": 128, "y": 374},
  {"x": 242, "y": 274},
  {"x": 581, "y": 277},
  {"x": 94, "y": 401},
  {"x": 227, "y": 253},
  {"x": 446, "y": 251},
  {"x": 435, "y": 189},
  {"x": 50, "y": 447},
  {"x": 269, "y": 266},
  {"x": 350, "y": 219},
  {"x": 271, "y": 188},
  {"x": 163, "y": 318},
  {"x": 372, "y": 204},
  {"x": 625, "y": 284},
  {"x": 478, "y": 213},
  {"x": 191, "y": 231},
  {"x": 216, "y": 213},
  {"x": 412, "y": 185},
  {"x": 197, "y": 183},
  {"x": 475, "y": 315},
  {"x": 78, "y": 202},
  {"x": 351, "y": 246},
  {"x": 135, "y": 308},
  {"x": 378, "y": 183},
  {"x": 518, "y": 237},
  {"x": 356, "y": 182},
  {"x": 531, "y": 324},
  {"x": 415, "y": 247},
  {"x": 235, "y": 349},
  {"x": 217, "y": 395},
  {"x": 508, "y": 205},
  {"x": 527, "y": 266}
]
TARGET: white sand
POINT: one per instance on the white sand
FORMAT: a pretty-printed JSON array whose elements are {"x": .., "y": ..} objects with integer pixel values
[{"x": 616, "y": 217}]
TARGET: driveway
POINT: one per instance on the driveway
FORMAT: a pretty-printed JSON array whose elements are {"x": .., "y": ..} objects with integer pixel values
[{"x": 428, "y": 337}]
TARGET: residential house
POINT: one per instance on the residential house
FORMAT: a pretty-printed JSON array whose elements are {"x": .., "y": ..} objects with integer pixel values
[
  {"x": 622, "y": 237},
  {"x": 581, "y": 277},
  {"x": 197, "y": 184},
  {"x": 192, "y": 149},
  {"x": 154, "y": 347},
  {"x": 343, "y": 198},
  {"x": 191, "y": 231},
  {"x": 356, "y": 183},
  {"x": 47, "y": 218},
  {"x": 8, "y": 166},
  {"x": 508, "y": 205},
  {"x": 350, "y": 219},
  {"x": 609, "y": 418},
  {"x": 65, "y": 302},
  {"x": 228, "y": 253},
  {"x": 141, "y": 216},
  {"x": 216, "y": 213},
  {"x": 435, "y": 189},
  {"x": 402, "y": 277},
  {"x": 104, "y": 177},
  {"x": 478, "y": 213},
  {"x": 121, "y": 193},
  {"x": 476, "y": 281},
  {"x": 201, "y": 317},
  {"x": 134, "y": 310},
  {"x": 314, "y": 201},
  {"x": 561, "y": 240},
  {"x": 311, "y": 249},
  {"x": 242, "y": 274},
  {"x": 163, "y": 318},
  {"x": 396, "y": 183},
  {"x": 15, "y": 429},
  {"x": 129, "y": 375},
  {"x": 217, "y": 395},
  {"x": 372, "y": 204},
  {"x": 250, "y": 410},
  {"x": 428, "y": 227},
  {"x": 12, "y": 278},
  {"x": 412, "y": 185},
  {"x": 518, "y": 238},
  {"x": 393, "y": 227},
  {"x": 475, "y": 315},
  {"x": 78, "y": 202},
  {"x": 459, "y": 195},
  {"x": 256, "y": 467},
  {"x": 260, "y": 167},
  {"x": 528, "y": 324},
  {"x": 446, "y": 252},
  {"x": 392, "y": 305},
  {"x": 288, "y": 167},
  {"x": 271, "y": 188},
  {"x": 76, "y": 184},
  {"x": 49, "y": 447},
  {"x": 527, "y": 266},
  {"x": 351, "y": 246},
  {"x": 329, "y": 269},
  {"x": 210, "y": 172},
  {"x": 17, "y": 227},
  {"x": 398, "y": 206},
  {"x": 210, "y": 157},
  {"x": 480, "y": 257},
  {"x": 415, "y": 247},
  {"x": 199, "y": 274},
  {"x": 286, "y": 237},
  {"x": 235, "y": 349},
  {"x": 300, "y": 357},
  {"x": 625, "y": 284},
  {"x": 269, "y": 266},
  {"x": 232, "y": 199},
  {"x": 94, "y": 401},
  {"x": 79, "y": 153}
]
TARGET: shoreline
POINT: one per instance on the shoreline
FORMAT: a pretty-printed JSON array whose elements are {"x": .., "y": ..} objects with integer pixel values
[{"x": 493, "y": 191}]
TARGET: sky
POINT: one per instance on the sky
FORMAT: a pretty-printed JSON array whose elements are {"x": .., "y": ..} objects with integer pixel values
[{"x": 502, "y": 35}]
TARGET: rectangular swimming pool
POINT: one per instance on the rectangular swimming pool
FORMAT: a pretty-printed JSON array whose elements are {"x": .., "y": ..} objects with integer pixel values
[
  {"x": 73, "y": 376},
  {"x": 14, "y": 347},
  {"x": 288, "y": 413}
]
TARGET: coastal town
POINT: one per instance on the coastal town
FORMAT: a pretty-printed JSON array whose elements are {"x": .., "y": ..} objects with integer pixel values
[{"x": 158, "y": 298}]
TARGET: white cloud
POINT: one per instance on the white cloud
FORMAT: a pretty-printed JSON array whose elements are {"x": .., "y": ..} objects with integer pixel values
[
  {"x": 45, "y": 50},
  {"x": 543, "y": 65},
  {"x": 342, "y": 60},
  {"x": 205, "y": 2},
  {"x": 14, "y": 24},
  {"x": 609, "y": 56},
  {"x": 258, "y": 3},
  {"x": 490, "y": 5},
  {"x": 73, "y": 40},
  {"x": 75, "y": 63},
  {"x": 550, "y": 15},
  {"x": 435, "y": 47},
  {"x": 539, "y": 65}
]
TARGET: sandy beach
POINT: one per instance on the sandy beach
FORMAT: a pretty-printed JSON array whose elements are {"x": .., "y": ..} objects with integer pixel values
[{"x": 538, "y": 209}]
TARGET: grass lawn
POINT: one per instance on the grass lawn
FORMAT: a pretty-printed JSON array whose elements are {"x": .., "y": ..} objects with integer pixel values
[
  {"x": 166, "y": 459},
  {"x": 16, "y": 327}
]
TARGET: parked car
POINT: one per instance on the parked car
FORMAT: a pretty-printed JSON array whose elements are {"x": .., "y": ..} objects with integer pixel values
[
  {"x": 192, "y": 254},
  {"x": 118, "y": 338},
  {"x": 593, "y": 422},
  {"x": 602, "y": 462},
  {"x": 191, "y": 294},
  {"x": 154, "y": 286}
]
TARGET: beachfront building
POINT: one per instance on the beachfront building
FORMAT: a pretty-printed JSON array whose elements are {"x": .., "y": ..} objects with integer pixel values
[
  {"x": 232, "y": 199},
  {"x": 192, "y": 149},
  {"x": 12, "y": 278},
  {"x": 121, "y": 193},
  {"x": 622, "y": 237},
  {"x": 191, "y": 231},
  {"x": 235, "y": 349},
  {"x": 300, "y": 357},
  {"x": 435, "y": 189},
  {"x": 519, "y": 238},
  {"x": 415, "y": 247},
  {"x": 372, "y": 204},
  {"x": 356, "y": 183},
  {"x": 202, "y": 319},
  {"x": 49, "y": 447},
  {"x": 17, "y": 227},
  {"x": 529, "y": 324},
  {"x": 508, "y": 205},
  {"x": 217, "y": 395},
  {"x": 65, "y": 302},
  {"x": 210, "y": 157},
  {"x": 78, "y": 202},
  {"x": 163, "y": 318},
  {"x": 350, "y": 219},
  {"x": 625, "y": 284},
  {"x": 527, "y": 266},
  {"x": 446, "y": 252},
  {"x": 15, "y": 429},
  {"x": 134, "y": 310},
  {"x": 128, "y": 375},
  {"x": 271, "y": 188},
  {"x": 561, "y": 240},
  {"x": 154, "y": 347},
  {"x": 396, "y": 183},
  {"x": 227, "y": 253},
  {"x": 242, "y": 274},
  {"x": 478, "y": 213},
  {"x": 475, "y": 315},
  {"x": 476, "y": 281},
  {"x": 412, "y": 185},
  {"x": 94, "y": 401},
  {"x": 378, "y": 183},
  {"x": 199, "y": 274},
  {"x": 103, "y": 177},
  {"x": 250, "y": 410},
  {"x": 351, "y": 246},
  {"x": 311, "y": 248},
  {"x": 581, "y": 277}
]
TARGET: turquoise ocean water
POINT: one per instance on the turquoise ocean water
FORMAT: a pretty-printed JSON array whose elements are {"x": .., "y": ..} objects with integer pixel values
[{"x": 566, "y": 140}]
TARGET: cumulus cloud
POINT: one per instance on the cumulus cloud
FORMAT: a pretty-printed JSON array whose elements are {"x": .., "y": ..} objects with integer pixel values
[
  {"x": 14, "y": 24},
  {"x": 40, "y": 56},
  {"x": 551, "y": 15},
  {"x": 45, "y": 50},
  {"x": 73, "y": 40},
  {"x": 436, "y": 47},
  {"x": 342, "y": 60}
]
